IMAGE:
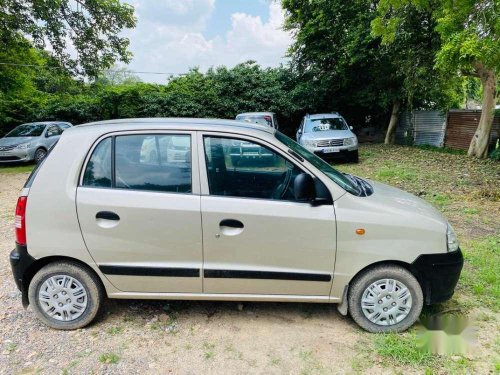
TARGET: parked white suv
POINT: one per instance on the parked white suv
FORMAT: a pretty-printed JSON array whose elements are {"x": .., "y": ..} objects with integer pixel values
[
  {"x": 98, "y": 218},
  {"x": 328, "y": 136}
]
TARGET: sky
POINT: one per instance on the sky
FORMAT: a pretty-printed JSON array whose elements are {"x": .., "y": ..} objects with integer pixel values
[{"x": 175, "y": 35}]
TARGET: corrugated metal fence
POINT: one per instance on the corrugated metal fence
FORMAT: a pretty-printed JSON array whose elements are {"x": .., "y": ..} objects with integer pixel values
[
  {"x": 461, "y": 126},
  {"x": 454, "y": 129},
  {"x": 421, "y": 128}
]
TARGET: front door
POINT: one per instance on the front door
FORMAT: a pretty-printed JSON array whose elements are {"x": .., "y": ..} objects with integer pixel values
[
  {"x": 256, "y": 238},
  {"x": 139, "y": 212}
]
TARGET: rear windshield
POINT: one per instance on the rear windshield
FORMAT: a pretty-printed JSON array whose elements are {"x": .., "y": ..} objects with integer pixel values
[
  {"x": 325, "y": 124},
  {"x": 27, "y": 130},
  {"x": 256, "y": 119}
]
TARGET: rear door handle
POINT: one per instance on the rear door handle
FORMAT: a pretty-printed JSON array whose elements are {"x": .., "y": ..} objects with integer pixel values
[
  {"x": 107, "y": 215},
  {"x": 231, "y": 223}
]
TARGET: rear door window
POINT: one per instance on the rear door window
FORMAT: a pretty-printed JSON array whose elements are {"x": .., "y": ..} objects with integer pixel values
[{"x": 153, "y": 162}]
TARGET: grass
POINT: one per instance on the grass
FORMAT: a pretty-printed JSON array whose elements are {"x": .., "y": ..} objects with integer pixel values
[
  {"x": 208, "y": 350},
  {"x": 114, "y": 330},
  {"x": 21, "y": 168},
  {"x": 444, "y": 150},
  {"x": 403, "y": 349},
  {"x": 481, "y": 274},
  {"x": 109, "y": 358}
]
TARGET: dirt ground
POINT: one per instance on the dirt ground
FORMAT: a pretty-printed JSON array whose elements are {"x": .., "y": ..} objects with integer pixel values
[{"x": 193, "y": 337}]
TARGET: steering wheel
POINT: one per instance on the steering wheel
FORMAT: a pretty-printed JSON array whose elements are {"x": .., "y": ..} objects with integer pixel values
[{"x": 282, "y": 187}]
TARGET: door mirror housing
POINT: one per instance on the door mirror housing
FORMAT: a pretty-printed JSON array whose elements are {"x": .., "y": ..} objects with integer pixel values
[
  {"x": 304, "y": 188},
  {"x": 350, "y": 127}
]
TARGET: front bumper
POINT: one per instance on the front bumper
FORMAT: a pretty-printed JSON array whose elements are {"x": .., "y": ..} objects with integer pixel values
[
  {"x": 16, "y": 156},
  {"x": 438, "y": 274},
  {"x": 20, "y": 262}
]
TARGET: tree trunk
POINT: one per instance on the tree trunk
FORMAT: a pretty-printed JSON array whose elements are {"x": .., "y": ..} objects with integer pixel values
[
  {"x": 393, "y": 123},
  {"x": 481, "y": 139}
]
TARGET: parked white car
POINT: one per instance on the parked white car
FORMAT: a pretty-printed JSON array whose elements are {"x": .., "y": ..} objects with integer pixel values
[
  {"x": 261, "y": 118},
  {"x": 97, "y": 219},
  {"x": 328, "y": 136}
]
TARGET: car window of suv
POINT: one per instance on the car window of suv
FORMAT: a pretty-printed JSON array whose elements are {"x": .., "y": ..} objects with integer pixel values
[
  {"x": 238, "y": 168},
  {"x": 98, "y": 170},
  {"x": 153, "y": 162}
]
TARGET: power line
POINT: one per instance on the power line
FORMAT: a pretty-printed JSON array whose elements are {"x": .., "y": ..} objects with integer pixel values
[{"x": 109, "y": 70}]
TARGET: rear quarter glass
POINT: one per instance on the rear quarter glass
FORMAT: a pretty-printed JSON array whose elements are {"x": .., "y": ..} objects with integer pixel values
[{"x": 35, "y": 170}]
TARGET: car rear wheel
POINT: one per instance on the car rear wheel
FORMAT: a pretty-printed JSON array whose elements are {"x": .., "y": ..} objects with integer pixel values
[
  {"x": 40, "y": 155},
  {"x": 65, "y": 295},
  {"x": 385, "y": 298}
]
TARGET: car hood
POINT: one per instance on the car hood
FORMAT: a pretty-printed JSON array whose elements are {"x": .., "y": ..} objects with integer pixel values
[
  {"x": 329, "y": 134},
  {"x": 10, "y": 141},
  {"x": 402, "y": 203}
]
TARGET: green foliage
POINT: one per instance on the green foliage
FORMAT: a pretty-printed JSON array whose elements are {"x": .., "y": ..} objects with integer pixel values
[
  {"x": 349, "y": 67},
  {"x": 92, "y": 26},
  {"x": 109, "y": 358},
  {"x": 468, "y": 29},
  {"x": 495, "y": 154}
]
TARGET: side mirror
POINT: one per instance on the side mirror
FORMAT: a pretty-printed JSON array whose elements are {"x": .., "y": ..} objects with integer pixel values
[
  {"x": 304, "y": 188},
  {"x": 350, "y": 127}
]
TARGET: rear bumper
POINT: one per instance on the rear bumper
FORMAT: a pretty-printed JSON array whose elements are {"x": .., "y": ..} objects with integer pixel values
[
  {"x": 20, "y": 262},
  {"x": 439, "y": 274}
]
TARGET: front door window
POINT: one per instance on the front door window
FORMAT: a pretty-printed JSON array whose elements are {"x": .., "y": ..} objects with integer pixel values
[{"x": 238, "y": 168}]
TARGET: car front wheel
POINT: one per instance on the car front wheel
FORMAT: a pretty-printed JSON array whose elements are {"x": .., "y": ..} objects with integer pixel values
[
  {"x": 386, "y": 298},
  {"x": 65, "y": 295},
  {"x": 40, "y": 155}
]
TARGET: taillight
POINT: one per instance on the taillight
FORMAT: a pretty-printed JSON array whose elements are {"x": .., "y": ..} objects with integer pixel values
[{"x": 20, "y": 220}]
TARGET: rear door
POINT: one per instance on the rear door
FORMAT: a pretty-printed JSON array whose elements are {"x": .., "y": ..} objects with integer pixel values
[
  {"x": 139, "y": 210},
  {"x": 257, "y": 239}
]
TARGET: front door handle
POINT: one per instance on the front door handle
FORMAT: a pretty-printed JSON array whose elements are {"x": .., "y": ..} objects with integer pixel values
[
  {"x": 231, "y": 223},
  {"x": 107, "y": 215},
  {"x": 231, "y": 227}
]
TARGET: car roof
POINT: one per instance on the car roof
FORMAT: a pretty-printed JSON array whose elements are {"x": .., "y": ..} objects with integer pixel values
[
  {"x": 160, "y": 123},
  {"x": 323, "y": 115},
  {"x": 46, "y": 123},
  {"x": 255, "y": 113}
]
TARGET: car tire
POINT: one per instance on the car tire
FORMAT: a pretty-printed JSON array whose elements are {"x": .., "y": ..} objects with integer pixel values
[
  {"x": 354, "y": 156},
  {"x": 40, "y": 154},
  {"x": 394, "y": 308},
  {"x": 51, "y": 295}
]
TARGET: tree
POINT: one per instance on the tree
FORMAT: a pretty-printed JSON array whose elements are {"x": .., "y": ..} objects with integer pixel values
[
  {"x": 92, "y": 26},
  {"x": 470, "y": 46},
  {"x": 335, "y": 48}
]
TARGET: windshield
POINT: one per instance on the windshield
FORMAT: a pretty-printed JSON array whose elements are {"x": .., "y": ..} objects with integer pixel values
[
  {"x": 27, "y": 130},
  {"x": 256, "y": 119},
  {"x": 339, "y": 178},
  {"x": 324, "y": 124}
]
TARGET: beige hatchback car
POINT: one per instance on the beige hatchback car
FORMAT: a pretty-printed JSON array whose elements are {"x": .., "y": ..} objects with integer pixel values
[{"x": 161, "y": 209}]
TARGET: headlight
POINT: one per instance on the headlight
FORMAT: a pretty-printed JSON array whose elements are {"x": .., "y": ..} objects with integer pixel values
[
  {"x": 23, "y": 146},
  {"x": 309, "y": 143},
  {"x": 350, "y": 141},
  {"x": 451, "y": 239}
]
